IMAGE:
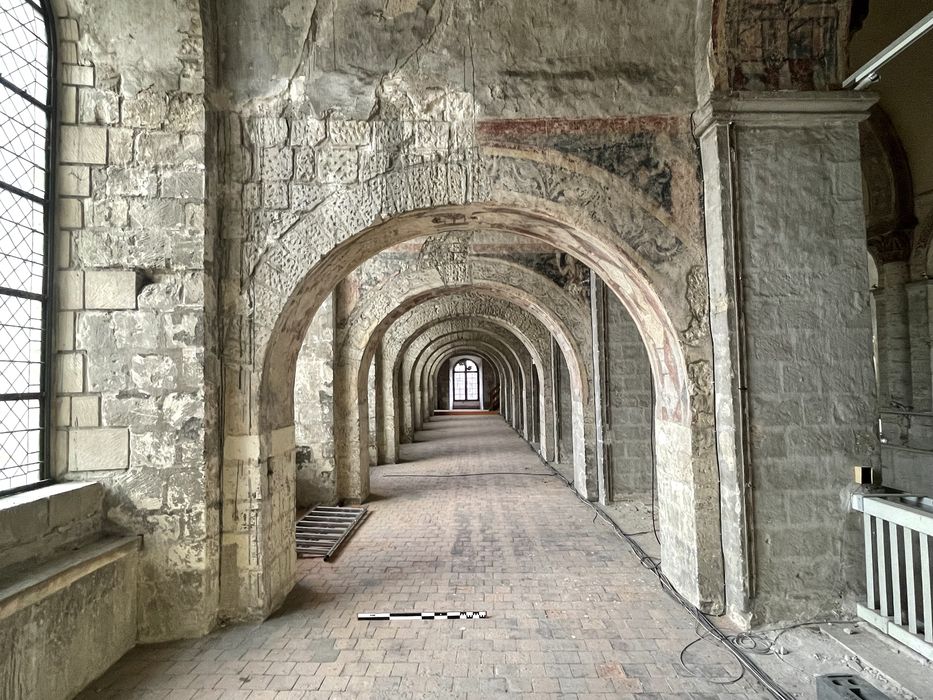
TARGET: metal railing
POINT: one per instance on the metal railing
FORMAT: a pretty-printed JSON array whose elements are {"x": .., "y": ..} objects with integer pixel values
[{"x": 898, "y": 530}]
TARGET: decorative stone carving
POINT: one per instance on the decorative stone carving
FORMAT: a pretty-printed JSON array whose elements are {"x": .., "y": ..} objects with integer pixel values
[
  {"x": 697, "y": 296},
  {"x": 448, "y": 254}
]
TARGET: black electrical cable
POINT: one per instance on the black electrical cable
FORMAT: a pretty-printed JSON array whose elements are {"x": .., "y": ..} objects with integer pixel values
[
  {"x": 702, "y": 618},
  {"x": 703, "y": 638}
]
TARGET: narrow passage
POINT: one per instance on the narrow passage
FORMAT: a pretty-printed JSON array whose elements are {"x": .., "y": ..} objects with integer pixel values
[{"x": 571, "y": 611}]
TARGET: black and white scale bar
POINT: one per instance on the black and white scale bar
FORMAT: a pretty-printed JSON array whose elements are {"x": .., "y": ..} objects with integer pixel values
[{"x": 456, "y": 615}]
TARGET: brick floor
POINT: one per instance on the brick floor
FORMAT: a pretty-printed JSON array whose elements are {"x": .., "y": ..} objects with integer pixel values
[{"x": 571, "y": 612}]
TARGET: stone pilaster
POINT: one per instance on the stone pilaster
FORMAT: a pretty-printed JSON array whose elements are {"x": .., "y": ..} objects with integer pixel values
[
  {"x": 600, "y": 388},
  {"x": 792, "y": 343},
  {"x": 894, "y": 366},
  {"x": 314, "y": 410},
  {"x": 919, "y": 304}
]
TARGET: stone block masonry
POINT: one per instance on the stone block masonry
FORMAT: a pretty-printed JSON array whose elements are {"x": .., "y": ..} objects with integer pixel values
[
  {"x": 131, "y": 277},
  {"x": 798, "y": 335},
  {"x": 202, "y": 224},
  {"x": 629, "y": 404}
]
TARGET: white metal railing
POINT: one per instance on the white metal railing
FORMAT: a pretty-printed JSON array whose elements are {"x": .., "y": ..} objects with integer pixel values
[{"x": 898, "y": 531}]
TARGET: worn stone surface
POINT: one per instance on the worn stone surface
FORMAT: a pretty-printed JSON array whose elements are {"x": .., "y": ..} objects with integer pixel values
[
  {"x": 35, "y": 526},
  {"x": 135, "y": 280},
  {"x": 226, "y": 166},
  {"x": 314, "y": 407},
  {"x": 630, "y": 404},
  {"x": 571, "y": 610},
  {"x": 806, "y": 414},
  {"x": 359, "y": 59},
  {"x": 58, "y": 645},
  {"x": 805, "y": 435}
]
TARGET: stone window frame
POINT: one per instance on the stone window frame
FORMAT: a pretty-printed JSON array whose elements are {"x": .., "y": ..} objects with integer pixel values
[
  {"x": 477, "y": 363},
  {"x": 466, "y": 367},
  {"x": 44, "y": 395}
]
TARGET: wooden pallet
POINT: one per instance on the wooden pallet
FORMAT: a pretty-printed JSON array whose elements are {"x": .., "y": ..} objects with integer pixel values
[{"x": 322, "y": 530}]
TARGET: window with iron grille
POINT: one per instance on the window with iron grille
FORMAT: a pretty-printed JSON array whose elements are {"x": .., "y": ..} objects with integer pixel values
[{"x": 26, "y": 119}]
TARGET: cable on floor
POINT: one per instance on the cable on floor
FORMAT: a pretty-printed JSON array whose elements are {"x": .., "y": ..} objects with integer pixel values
[
  {"x": 702, "y": 618},
  {"x": 701, "y": 637}
]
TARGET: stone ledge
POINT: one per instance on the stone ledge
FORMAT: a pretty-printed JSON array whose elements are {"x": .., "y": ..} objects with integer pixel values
[
  {"x": 45, "y": 492},
  {"x": 31, "y": 514},
  {"x": 783, "y": 109},
  {"x": 39, "y": 524},
  {"x": 26, "y": 586}
]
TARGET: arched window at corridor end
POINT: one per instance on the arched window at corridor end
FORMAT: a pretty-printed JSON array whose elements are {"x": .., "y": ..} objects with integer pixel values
[
  {"x": 466, "y": 381},
  {"x": 27, "y": 109}
]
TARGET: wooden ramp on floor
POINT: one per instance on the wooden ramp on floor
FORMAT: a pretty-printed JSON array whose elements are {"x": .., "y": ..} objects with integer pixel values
[{"x": 322, "y": 531}]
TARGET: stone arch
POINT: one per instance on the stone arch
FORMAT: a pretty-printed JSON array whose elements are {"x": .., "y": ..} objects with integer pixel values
[
  {"x": 485, "y": 346},
  {"x": 408, "y": 332},
  {"x": 597, "y": 218},
  {"x": 462, "y": 329},
  {"x": 472, "y": 350},
  {"x": 921, "y": 257},
  {"x": 357, "y": 351},
  {"x": 544, "y": 299},
  {"x": 461, "y": 343},
  {"x": 888, "y": 189},
  {"x": 530, "y": 336},
  {"x": 643, "y": 259}
]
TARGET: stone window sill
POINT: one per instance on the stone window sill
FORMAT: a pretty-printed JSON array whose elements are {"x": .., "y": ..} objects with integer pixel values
[
  {"x": 25, "y": 498},
  {"x": 35, "y": 524},
  {"x": 21, "y": 588}
]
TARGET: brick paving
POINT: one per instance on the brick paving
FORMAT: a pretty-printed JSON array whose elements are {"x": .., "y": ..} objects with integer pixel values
[{"x": 571, "y": 611}]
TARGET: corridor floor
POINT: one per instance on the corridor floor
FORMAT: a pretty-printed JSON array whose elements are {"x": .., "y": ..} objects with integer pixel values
[{"x": 571, "y": 612}]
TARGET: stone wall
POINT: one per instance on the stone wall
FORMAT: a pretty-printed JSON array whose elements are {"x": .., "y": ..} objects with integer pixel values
[
  {"x": 334, "y": 132},
  {"x": 61, "y": 576},
  {"x": 37, "y": 525},
  {"x": 134, "y": 292},
  {"x": 806, "y": 434},
  {"x": 629, "y": 403},
  {"x": 564, "y": 410},
  {"x": 314, "y": 411},
  {"x": 792, "y": 334},
  {"x": 56, "y": 646}
]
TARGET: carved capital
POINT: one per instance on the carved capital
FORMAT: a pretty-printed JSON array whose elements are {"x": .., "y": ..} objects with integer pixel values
[{"x": 893, "y": 246}]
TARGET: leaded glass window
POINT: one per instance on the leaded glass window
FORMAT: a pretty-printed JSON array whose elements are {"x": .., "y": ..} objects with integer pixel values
[
  {"x": 25, "y": 121},
  {"x": 466, "y": 381}
]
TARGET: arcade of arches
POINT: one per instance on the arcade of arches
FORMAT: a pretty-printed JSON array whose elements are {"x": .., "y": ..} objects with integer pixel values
[{"x": 295, "y": 241}]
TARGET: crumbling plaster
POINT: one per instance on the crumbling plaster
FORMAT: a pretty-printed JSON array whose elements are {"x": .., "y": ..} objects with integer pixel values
[{"x": 523, "y": 58}]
